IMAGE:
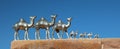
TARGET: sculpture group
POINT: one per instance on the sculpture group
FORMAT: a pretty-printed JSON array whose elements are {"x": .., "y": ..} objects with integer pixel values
[
  {"x": 44, "y": 24},
  {"x": 83, "y": 35}
]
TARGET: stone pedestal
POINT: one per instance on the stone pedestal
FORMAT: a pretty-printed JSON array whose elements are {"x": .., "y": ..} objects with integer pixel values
[{"x": 57, "y": 44}]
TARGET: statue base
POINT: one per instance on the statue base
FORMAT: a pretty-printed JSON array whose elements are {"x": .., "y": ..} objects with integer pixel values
[{"x": 57, "y": 44}]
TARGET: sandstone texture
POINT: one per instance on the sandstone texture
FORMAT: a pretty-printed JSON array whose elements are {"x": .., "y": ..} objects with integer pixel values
[
  {"x": 107, "y": 43},
  {"x": 111, "y": 43},
  {"x": 57, "y": 44}
]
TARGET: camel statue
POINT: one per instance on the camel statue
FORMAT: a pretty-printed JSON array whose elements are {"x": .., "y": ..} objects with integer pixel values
[
  {"x": 22, "y": 25},
  {"x": 96, "y": 36},
  {"x": 61, "y": 26},
  {"x": 43, "y": 24},
  {"x": 73, "y": 34},
  {"x": 89, "y": 35},
  {"x": 82, "y": 35}
]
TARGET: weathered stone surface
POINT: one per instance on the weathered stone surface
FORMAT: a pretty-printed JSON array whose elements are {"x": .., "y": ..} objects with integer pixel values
[
  {"x": 111, "y": 43},
  {"x": 57, "y": 44}
]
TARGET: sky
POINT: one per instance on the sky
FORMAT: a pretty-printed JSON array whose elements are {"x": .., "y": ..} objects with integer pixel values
[{"x": 97, "y": 16}]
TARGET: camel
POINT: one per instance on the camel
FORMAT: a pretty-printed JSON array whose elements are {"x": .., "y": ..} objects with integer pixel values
[
  {"x": 22, "y": 25},
  {"x": 73, "y": 34},
  {"x": 82, "y": 35},
  {"x": 89, "y": 35},
  {"x": 96, "y": 36},
  {"x": 60, "y": 26},
  {"x": 43, "y": 24}
]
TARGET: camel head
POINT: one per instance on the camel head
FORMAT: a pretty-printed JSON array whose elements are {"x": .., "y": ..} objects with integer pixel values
[
  {"x": 53, "y": 16},
  {"x": 53, "y": 20},
  {"x": 72, "y": 32},
  {"x": 76, "y": 32},
  {"x": 32, "y": 17},
  {"x": 31, "y": 21},
  {"x": 69, "y": 22},
  {"x": 69, "y": 19}
]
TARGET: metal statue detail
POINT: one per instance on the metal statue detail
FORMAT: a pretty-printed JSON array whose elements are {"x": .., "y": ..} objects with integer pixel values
[
  {"x": 61, "y": 26},
  {"x": 96, "y": 36},
  {"x": 44, "y": 24},
  {"x": 73, "y": 34},
  {"x": 82, "y": 35},
  {"x": 89, "y": 35},
  {"x": 22, "y": 25}
]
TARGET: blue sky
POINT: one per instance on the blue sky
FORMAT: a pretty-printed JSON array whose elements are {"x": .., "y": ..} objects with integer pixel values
[{"x": 97, "y": 16}]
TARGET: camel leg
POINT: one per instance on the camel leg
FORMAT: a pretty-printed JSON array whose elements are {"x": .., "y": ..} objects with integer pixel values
[
  {"x": 15, "y": 34},
  {"x": 74, "y": 36},
  {"x": 37, "y": 34},
  {"x": 26, "y": 34},
  {"x": 67, "y": 35},
  {"x": 53, "y": 33},
  {"x": 58, "y": 35},
  {"x": 70, "y": 36},
  {"x": 88, "y": 37},
  {"x": 83, "y": 37},
  {"x": 47, "y": 33},
  {"x": 91, "y": 37},
  {"x": 62, "y": 34}
]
